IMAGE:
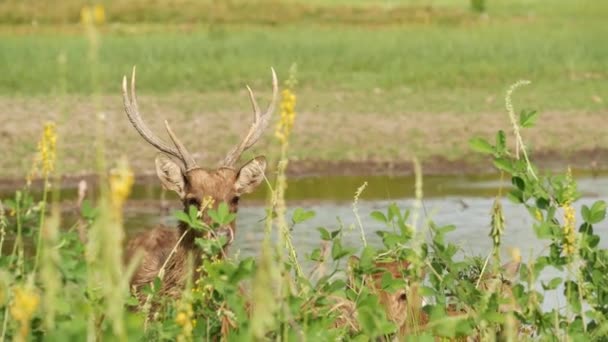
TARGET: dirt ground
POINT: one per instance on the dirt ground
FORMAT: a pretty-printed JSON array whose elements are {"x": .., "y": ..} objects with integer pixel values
[{"x": 323, "y": 143}]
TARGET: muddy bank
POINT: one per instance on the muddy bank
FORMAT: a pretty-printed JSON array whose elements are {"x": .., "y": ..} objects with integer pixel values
[{"x": 594, "y": 161}]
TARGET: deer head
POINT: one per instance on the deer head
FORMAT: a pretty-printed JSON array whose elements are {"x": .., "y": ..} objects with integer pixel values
[
  {"x": 178, "y": 171},
  {"x": 403, "y": 305}
]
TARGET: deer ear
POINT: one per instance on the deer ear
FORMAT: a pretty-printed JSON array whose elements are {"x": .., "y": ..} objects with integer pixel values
[
  {"x": 511, "y": 270},
  {"x": 170, "y": 175},
  {"x": 250, "y": 176}
]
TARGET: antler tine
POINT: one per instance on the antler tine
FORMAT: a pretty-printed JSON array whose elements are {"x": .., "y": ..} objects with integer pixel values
[
  {"x": 260, "y": 122},
  {"x": 187, "y": 158},
  {"x": 254, "y": 104},
  {"x": 132, "y": 110}
]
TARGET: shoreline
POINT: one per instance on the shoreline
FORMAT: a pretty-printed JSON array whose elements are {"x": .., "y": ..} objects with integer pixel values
[{"x": 586, "y": 161}]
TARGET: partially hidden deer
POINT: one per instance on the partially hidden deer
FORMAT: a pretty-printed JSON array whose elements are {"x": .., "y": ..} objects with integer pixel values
[
  {"x": 169, "y": 248},
  {"x": 404, "y": 306}
]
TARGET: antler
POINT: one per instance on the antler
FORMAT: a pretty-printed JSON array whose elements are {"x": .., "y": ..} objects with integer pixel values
[
  {"x": 132, "y": 110},
  {"x": 260, "y": 122}
]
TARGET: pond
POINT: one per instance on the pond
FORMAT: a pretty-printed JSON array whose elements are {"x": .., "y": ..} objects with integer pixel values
[{"x": 462, "y": 201}]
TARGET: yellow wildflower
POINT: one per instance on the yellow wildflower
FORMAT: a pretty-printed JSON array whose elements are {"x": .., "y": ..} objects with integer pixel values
[
  {"x": 181, "y": 319},
  {"x": 569, "y": 230},
  {"x": 185, "y": 320},
  {"x": 538, "y": 214},
  {"x": 570, "y": 193},
  {"x": 99, "y": 14},
  {"x": 121, "y": 182},
  {"x": 287, "y": 107},
  {"x": 47, "y": 153},
  {"x": 93, "y": 15},
  {"x": 86, "y": 15},
  {"x": 569, "y": 215},
  {"x": 48, "y": 148},
  {"x": 23, "y": 307},
  {"x": 288, "y": 114}
]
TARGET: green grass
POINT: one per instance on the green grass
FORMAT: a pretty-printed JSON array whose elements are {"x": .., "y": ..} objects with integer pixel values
[
  {"x": 470, "y": 55},
  {"x": 420, "y": 59},
  {"x": 375, "y": 76}
]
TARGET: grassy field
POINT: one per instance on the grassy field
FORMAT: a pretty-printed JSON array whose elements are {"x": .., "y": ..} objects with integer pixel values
[{"x": 393, "y": 79}]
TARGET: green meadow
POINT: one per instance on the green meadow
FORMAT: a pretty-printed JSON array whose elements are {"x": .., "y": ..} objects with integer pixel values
[{"x": 432, "y": 72}]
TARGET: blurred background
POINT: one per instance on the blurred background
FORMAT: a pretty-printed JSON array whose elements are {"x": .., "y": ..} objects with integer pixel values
[{"x": 378, "y": 81}]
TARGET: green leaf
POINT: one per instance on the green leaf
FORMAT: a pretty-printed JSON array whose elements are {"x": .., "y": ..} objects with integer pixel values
[
  {"x": 494, "y": 317},
  {"x": 316, "y": 255},
  {"x": 553, "y": 284},
  {"x": 595, "y": 214},
  {"x": 481, "y": 145},
  {"x": 182, "y": 216},
  {"x": 222, "y": 215},
  {"x": 446, "y": 229},
  {"x": 157, "y": 284},
  {"x": 528, "y": 119},
  {"x": 516, "y": 196},
  {"x": 335, "y": 286},
  {"x": 572, "y": 295},
  {"x": 300, "y": 215},
  {"x": 391, "y": 284},
  {"x": 542, "y": 203},
  {"x": 501, "y": 142},
  {"x": 223, "y": 210},
  {"x": 518, "y": 182},
  {"x": 193, "y": 213},
  {"x": 379, "y": 216},
  {"x": 393, "y": 211},
  {"x": 426, "y": 337},
  {"x": 325, "y": 236},
  {"x": 543, "y": 230},
  {"x": 336, "y": 250},
  {"x": 88, "y": 211},
  {"x": 214, "y": 216},
  {"x": 504, "y": 165},
  {"x": 367, "y": 257}
]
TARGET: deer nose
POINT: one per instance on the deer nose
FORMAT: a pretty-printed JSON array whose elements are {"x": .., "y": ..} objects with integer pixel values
[{"x": 225, "y": 231}]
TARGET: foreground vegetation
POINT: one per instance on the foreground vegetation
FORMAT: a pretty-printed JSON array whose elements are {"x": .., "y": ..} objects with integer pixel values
[{"x": 63, "y": 288}]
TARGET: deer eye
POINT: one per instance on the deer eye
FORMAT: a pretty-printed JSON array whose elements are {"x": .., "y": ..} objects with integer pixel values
[
  {"x": 235, "y": 200},
  {"x": 193, "y": 201},
  {"x": 403, "y": 297}
]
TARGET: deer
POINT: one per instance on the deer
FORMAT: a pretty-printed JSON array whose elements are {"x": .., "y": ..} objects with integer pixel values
[
  {"x": 169, "y": 248},
  {"x": 404, "y": 306}
]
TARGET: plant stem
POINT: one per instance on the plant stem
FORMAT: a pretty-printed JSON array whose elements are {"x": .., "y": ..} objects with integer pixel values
[{"x": 41, "y": 225}]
